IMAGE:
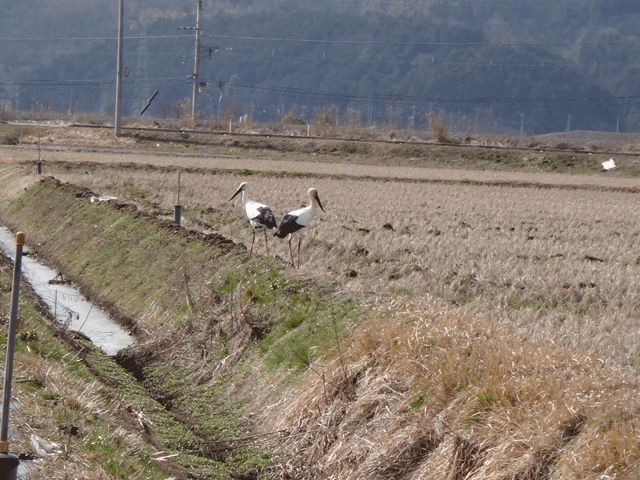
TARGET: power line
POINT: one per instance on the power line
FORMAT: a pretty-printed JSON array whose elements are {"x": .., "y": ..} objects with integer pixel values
[
  {"x": 87, "y": 84},
  {"x": 327, "y": 42},
  {"x": 83, "y": 39},
  {"x": 423, "y": 44},
  {"x": 410, "y": 99},
  {"x": 519, "y": 5},
  {"x": 377, "y": 59},
  {"x": 338, "y": 97}
]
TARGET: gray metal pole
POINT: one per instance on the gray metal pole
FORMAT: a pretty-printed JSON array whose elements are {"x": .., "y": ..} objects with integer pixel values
[
  {"x": 178, "y": 202},
  {"x": 118, "y": 120},
  {"x": 177, "y": 211},
  {"x": 196, "y": 66},
  {"x": 11, "y": 338},
  {"x": 39, "y": 159}
]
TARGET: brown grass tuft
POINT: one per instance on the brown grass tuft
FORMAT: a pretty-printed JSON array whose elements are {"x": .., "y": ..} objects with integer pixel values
[
  {"x": 430, "y": 393},
  {"x": 438, "y": 127}
]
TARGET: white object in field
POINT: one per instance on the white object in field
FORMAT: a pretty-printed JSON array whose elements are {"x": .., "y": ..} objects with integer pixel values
[
  {"x": 42, "y": 447},
  {"x": 609, "y": 164},
  {"x": 102, "y": 199}
]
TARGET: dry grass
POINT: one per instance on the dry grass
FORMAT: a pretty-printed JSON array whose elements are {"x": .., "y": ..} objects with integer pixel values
[
  {"x": 438, "y": 127},
  {"x": 64, "y": 402},
  {"x": 423, "y": 392}
]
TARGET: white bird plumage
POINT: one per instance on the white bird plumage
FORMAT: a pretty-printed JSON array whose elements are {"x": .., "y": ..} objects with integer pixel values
[
  {"x": 609, "y": 164},
  {"x": 259, "y": 215},
  {"x": 297, "y": 221}
]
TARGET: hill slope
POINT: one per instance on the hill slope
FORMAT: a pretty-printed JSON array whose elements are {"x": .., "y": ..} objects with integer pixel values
[{"x": 491, "y": 68}]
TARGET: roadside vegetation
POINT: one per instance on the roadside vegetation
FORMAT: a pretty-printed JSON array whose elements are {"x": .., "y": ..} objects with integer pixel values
[
  {"x": 57, "y": 397},
  {"x": 218, "y": 329},
  {"x": 425, "y": 392},
  {"x": 437, "y": 328}
]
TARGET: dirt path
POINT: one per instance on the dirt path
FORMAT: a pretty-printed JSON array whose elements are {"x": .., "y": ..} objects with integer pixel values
[{"x": 602, "y": 179}]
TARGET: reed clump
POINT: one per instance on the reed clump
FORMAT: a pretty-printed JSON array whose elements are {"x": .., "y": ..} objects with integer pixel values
[{"x": 424, "y": 392}]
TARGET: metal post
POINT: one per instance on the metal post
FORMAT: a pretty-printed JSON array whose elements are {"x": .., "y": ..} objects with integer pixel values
[
  {"x": 196, "y": 67},
  {"x": 39, "y": 159},
  {"x": 9, "y": 463},
  {"x": 9, "y": 466},
  {"x": 118, "y": 120},
  {"x": 177, "y": 212}
]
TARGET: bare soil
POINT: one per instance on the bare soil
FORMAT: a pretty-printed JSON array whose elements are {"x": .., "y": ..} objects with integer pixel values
[{"x": 371, "y": 159}]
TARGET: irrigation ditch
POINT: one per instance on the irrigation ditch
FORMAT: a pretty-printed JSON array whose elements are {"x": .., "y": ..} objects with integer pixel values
[
  {"x": 217, "y": 331},
  {"x": 67, "y": 305}
]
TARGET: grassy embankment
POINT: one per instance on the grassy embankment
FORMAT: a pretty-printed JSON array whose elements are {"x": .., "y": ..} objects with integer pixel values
[
  {"x": 220, "y": 329},
  {"x": 59, "y": 398}
]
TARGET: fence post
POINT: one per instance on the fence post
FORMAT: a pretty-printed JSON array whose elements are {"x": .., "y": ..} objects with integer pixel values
[
  {"x": 9, "y": 463},
  {"x": 177, "y": 211},
  {"x": 39, "y": 158}
]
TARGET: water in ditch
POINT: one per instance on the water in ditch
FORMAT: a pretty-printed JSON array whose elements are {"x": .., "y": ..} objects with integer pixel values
[{"x": 67, "y": 304}]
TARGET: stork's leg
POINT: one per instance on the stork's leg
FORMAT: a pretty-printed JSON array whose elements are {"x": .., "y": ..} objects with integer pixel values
[
  {"x": 265, "y": 240},
  {"x": 253, "y": 239},
  {"x": 299, "y": 242},
  {"x": 291, "y": 253}
]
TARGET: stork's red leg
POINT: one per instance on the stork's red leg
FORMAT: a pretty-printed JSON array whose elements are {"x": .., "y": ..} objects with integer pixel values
[
  {"x": 253, "y": 239},
  {"x": 291, "y": 252}
]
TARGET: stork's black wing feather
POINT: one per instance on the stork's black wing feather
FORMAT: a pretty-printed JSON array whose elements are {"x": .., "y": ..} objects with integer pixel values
[
  {"x": 287, "y": 226},
  {"x": 266, "y": 218}
]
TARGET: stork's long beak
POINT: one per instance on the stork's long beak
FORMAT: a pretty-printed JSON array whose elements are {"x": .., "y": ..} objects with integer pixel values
[
  {"x": 236, "y": 194},
  {"x": 319, "y": 203}
]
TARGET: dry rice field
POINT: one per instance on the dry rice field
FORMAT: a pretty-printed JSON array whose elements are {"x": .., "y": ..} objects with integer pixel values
[
  {"x": 553, "y": 255},
  {"x": 502, "y": 335}
]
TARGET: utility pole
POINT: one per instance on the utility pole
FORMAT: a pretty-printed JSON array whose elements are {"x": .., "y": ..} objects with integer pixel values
[
  {"x": 196, "y": 66},
  {"x": 118, "y": 120}
]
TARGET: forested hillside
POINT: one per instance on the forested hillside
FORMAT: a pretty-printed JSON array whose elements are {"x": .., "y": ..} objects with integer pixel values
[{"x": 486, "y": 66}]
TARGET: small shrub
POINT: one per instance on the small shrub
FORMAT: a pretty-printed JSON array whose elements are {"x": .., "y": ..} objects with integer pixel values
[
  {"x": 10, "y": 138},
  {"x": 326, "y": 116},
  {"x": 438, "y": 127}
]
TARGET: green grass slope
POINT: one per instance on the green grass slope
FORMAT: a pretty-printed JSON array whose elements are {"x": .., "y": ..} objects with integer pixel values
[{"x": 218, "y": 331}]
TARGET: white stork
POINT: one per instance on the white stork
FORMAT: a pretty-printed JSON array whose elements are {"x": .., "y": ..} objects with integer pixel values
[
  {"x": 259, "y": 215},
  {"x": 296, "y": 222}
]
